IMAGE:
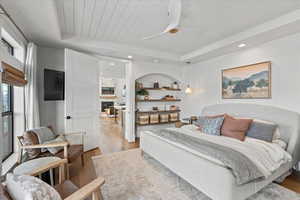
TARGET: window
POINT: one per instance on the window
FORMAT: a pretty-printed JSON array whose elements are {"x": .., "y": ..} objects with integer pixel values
[
  {"x": 10, "y": 49},
  {"x": 13, "y": 45},
  {"x": 7, "y": 119}
]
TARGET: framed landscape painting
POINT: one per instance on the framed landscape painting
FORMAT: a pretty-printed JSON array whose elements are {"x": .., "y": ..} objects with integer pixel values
[{"x": 247, "y": 82}]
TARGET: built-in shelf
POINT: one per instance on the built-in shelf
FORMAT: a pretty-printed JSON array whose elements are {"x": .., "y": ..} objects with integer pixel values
[
  {"x": 169, "y": 89},
  {"x": 108, "y": 97},
  {"x": 160, "y": 123},
  {"x": 158, "y": 111},
  {"x": 158, "y": 100}
]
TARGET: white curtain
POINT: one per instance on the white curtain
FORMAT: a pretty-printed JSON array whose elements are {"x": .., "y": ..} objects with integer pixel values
[{"x": 32, "y": 117}]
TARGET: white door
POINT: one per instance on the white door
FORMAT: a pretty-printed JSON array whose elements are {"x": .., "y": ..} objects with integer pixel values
[{"x": 82, "y": 96}]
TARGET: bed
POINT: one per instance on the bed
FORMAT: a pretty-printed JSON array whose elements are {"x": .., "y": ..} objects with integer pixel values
[{"x": 215, "y": 180}]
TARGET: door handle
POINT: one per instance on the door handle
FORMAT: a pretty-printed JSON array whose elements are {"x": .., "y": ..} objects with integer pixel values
[{"x": 68, "y": 117}]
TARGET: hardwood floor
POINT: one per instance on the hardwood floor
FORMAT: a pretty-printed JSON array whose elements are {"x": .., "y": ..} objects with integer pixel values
[
  {"x": 111, "y": 140},
  {"x": 112, "y": 135},
  {"x": 293, "y": 182}
]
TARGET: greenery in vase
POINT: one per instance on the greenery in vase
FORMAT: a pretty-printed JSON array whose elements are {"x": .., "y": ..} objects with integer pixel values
[{"x": 142, "y": 92}]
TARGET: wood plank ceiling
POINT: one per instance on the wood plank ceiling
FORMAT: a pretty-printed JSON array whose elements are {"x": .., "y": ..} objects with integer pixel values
[
  {"x": 128, "y": 21},
  {"x": 111, "y": 20}
]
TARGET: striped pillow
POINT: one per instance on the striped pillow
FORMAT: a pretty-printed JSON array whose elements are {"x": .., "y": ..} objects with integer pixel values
[{"x": 209, "y": 125}]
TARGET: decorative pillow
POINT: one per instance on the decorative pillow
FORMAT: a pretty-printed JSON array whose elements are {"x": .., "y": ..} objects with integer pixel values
[
  {"x": 235, "y": 128},
  {"x": 210, "y": 125},
  {"x": 262, "y": 131},
  {"x": 55, "y": 150},
  {"x": 276, "y": 135},
  {"x": 30, "y": 138},
  {"x": 24, "y": 187},
  {"x": 3, "y": 193}
]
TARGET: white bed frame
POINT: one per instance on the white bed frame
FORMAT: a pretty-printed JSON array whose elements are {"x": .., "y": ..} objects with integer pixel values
[{"x": 214, "y": 180}]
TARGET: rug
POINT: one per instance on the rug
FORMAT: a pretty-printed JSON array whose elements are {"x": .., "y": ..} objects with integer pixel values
[{"x": 130, "y": 176}]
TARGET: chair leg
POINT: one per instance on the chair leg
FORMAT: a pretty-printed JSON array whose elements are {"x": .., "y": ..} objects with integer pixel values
[
  {"x": 68, "y": 171},
  {"x": 82, "y": 160}
]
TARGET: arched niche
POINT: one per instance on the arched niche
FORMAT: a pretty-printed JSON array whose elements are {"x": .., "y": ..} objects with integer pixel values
[{"x": 164, "y": 80}]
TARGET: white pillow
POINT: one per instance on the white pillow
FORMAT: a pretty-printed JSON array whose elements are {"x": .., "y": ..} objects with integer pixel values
[
  {"x": 24, "y": 187},
  {"x": 54, "y": 150}
]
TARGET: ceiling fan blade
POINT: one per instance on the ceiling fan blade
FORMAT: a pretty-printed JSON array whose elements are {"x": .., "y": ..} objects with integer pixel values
[
  {"x": 174, "y": 12},
  {"x": 153, "y": 36}
]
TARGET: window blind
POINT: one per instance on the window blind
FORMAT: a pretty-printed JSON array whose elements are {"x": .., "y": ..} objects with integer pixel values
[{"x": 12, "y": 76}]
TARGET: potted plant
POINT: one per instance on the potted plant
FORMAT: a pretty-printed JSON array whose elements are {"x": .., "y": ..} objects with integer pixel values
[{"x": 141, "y": 94}]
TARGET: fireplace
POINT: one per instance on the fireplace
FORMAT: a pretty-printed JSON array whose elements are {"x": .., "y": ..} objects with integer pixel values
[{"x": 106, "y": 104}]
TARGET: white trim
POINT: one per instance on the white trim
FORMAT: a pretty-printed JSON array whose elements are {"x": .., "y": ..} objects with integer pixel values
[
  {"x": 9, "y": 163},
  {"x": 292, "y": 20},
  {"x": 130, "y": 103}
]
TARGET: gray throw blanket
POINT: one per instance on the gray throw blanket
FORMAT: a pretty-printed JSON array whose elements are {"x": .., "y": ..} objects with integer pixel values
[{"x": 243, "y": 169}]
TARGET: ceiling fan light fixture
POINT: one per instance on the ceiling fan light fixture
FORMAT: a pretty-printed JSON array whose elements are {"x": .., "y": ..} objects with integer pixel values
[
  {"x": 174, "y": 30},
  {"x": 242, "y": 45}
]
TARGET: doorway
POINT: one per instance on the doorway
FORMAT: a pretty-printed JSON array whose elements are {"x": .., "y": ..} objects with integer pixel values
[{"x": 114, "y": 107}]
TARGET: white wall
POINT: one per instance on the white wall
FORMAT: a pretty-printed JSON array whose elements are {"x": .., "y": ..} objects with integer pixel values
[
  {"x": 205, "y": 77},
  {"x": 51, "y": 112}
]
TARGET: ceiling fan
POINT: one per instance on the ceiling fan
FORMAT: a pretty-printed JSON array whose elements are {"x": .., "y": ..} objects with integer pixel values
[{"x": 174, "y": 13}]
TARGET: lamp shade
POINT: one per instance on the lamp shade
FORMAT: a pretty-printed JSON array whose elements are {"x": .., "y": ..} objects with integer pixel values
[{"x": 188, "y": 90}]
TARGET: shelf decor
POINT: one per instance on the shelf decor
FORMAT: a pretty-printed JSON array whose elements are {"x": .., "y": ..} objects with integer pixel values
[
  {"x": 143, "y": 119},
  {"x": 154, "y": 119},
  {"x": 164, "y": 118},
  {"x": 161, "y": 91},
  {"x": 142, "y": 94}
]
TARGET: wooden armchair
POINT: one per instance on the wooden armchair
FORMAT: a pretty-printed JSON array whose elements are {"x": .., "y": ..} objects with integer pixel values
[
  {"x": 71, "y": 151},
  {"x": 66, "y": 189}
]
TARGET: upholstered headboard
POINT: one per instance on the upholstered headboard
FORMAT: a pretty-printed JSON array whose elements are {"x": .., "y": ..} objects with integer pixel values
[{"x": 288, "y": 121}]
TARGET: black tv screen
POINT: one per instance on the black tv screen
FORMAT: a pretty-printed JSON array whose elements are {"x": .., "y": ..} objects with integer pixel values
[{"x": 54, "y": 85}]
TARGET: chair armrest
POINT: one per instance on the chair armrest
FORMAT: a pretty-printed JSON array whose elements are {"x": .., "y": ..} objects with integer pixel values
[
  {"x": 39, "y": 146},
  {"x": 49, "y": 166},
  {"x": 87, "y": 190}
]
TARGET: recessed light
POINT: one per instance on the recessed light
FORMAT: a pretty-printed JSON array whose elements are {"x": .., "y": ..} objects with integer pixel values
[
  {"x": 242, "y": 45},
  {"x": 155, "y": 60},
  {"x": 112, "y": 64},
  {"x": 129, "y": 56}
]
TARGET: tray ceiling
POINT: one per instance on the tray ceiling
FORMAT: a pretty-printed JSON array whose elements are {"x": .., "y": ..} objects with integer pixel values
[
  {"x": 116, "y": 27},
  {"x": 128, "y": 21}
]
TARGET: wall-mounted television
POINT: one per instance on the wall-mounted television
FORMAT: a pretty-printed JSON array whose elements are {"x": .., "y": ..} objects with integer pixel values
[{"x": 54, "y": 85}]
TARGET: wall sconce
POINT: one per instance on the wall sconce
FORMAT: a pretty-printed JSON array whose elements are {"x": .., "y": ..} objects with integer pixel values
[{"x": 188, "y": 90}]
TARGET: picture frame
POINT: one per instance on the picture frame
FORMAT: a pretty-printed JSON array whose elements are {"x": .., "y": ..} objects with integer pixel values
[{"x": 247, "y": 82}]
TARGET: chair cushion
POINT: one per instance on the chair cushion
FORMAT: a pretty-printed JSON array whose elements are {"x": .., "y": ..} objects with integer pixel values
[
  {"x": 22, "y": 187},
  {"x": 74, "y": 151},
  {"x": 4, "y": 194},
  {"x": 30, "y": 138},
  {"x": 67, "y": 188}
]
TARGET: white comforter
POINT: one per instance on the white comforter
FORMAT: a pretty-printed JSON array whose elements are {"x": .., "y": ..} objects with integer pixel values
[{"x": 267, "y": 156}]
